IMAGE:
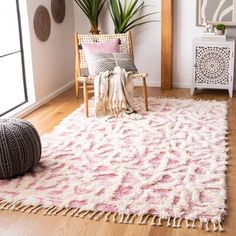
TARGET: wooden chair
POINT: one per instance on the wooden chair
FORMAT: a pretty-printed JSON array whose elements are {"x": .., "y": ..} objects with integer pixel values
[{"x": 80, "y": 63}]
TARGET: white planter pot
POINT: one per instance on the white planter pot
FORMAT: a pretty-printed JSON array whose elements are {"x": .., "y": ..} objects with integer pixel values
[{"x": 219, "y": 32}]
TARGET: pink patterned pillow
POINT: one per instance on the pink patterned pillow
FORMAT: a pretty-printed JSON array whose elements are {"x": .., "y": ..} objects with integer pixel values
[{"x": 111, "y": 46}]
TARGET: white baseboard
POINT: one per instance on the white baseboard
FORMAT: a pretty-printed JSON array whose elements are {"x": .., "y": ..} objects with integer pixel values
[
  {"x": 149, "y": 84},
  {"x": 33, "y": 106},
  {"x": 175, "y": 85},
  {"x": 158, "y": 84},
  {"x": 181, "y": 85}
]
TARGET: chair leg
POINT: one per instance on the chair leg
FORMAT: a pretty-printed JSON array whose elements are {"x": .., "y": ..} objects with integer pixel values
[
  {"x": 86, "y": 98},
  {"x": 145, "y": 93},
  {"x": 77, "y": 88}
]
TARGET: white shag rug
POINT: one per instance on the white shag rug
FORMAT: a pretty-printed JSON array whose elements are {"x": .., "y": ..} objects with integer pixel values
[{"x": 167, "y": 167}]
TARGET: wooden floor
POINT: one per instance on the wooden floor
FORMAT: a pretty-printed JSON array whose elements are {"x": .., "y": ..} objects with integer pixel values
[{"x": 46, "y": 117}]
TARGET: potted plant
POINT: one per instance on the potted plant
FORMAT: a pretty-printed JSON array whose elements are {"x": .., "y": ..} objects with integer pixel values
[
  {"x": 92, "y": 9},
  {"x": 126, "y": 16},
  {"x": 220, "y": 29}
]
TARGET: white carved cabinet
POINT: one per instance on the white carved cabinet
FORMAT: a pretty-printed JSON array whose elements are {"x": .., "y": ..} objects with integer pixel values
[{"x": 213, "y": 64}]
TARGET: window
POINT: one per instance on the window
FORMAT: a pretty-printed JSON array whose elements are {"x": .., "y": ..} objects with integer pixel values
[{"x": 13, "y": 91}]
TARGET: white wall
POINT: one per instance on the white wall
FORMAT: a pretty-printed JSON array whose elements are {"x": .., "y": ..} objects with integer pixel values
[
  {"x": 146, "y": 40},
  {"x": 185, "y": 30},
  {"x": 53, "y": 60}
]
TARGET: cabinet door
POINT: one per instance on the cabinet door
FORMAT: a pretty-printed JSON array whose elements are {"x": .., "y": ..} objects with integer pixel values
[{"x": 212, "y": 65}]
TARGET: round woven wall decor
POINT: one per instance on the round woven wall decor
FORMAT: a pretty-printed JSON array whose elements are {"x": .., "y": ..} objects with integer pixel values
[
  {"x": 42, "y": 23},
  {"x": 58, "y": 10}
]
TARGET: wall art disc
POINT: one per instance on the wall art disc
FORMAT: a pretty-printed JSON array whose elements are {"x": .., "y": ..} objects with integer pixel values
[
  {"x": 58, "y": 10},
  {"x": 42, "y": 23}
]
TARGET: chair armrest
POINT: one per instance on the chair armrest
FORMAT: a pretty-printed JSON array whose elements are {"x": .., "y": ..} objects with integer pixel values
[
  {"x": 85, "y": 78},
  {"x": 140, "y": 75}
]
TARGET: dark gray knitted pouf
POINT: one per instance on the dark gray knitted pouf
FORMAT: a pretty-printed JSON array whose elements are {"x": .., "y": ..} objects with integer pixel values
[{"x": 20, "y": 147}]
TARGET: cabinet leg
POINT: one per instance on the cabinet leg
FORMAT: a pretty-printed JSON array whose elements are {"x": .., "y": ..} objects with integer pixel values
[
  {"x": 192, "y": 91},
  {"x": 230, "y": 92}
]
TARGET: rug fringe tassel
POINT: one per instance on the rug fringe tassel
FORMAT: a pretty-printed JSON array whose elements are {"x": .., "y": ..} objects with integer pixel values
[
  {"x": 67, "y": 211},
  {"x": 220, "y": 227},
  {"x": 193, "y": 224},
  {"x": 48, "y": 210},
  {"x": 77, "y": 214},
  {"x": 4, "y": 206},
  {"x": 174, "y": 223},
  {"x": 107, "y": 216},
  {"x": 33, "y": 209},
  {"x": 60, "y": 209},
  {"x": 122, "y": 218},
  {"x": 153, "y": 220},
  {"x": 19, "y": 207},
  {"x": 215, "y": 228},
  {"x": 74, "y": 212},
  {"x": 141, "y": 219},
  {"x": 100, "y": 216},
  {"x": 201, "y": 225},
  {"x": 207, "y": 227},
  {"x": 132, "y": 219},
  {"x": 126, "y": 221},
  {"x": 38, "y": 209},
  {"x": 168, "y": 222},
  {"x": 116, "y": 217},
  {"x": 187, "y": 223},
  {"x": 53, "y": 211},
  {"x": 179, "y": 222},
  {"x": 15, "y": 207},
  {"x": 145, "y": 220},
  {"x": 9, "y": 206},
  {"x": 93, "y": 215},
  {"x": 25, "y": 208},
  {"x": 2, "y": 201},
  {"x": 86, "y": 213}
]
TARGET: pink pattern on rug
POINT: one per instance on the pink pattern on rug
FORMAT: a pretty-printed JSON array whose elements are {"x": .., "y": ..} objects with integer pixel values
[{"x": 171, "y": 163}]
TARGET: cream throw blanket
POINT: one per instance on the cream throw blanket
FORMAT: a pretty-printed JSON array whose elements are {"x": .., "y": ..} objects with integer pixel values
[{"x": 114, "y": 92}]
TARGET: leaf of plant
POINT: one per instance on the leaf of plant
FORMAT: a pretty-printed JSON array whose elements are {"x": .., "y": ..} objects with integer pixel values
[
  {"x": 140, "y": 18},
  {"x": 142, "y": 23}
]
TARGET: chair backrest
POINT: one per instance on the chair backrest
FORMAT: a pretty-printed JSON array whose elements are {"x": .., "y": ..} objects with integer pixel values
[{"x": 125, "y": 41}]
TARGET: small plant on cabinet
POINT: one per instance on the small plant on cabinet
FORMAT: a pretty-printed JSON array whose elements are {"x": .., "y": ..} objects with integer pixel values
[{"x": 220, "y": 29}]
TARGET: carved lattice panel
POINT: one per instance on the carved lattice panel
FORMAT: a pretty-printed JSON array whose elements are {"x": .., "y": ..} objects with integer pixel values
[{"x": 212, "y": 65}]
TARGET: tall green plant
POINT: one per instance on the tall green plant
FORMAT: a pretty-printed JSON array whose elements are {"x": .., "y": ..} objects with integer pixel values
[
  {"x": 92, "y": 9},
  {"x": 128, "y": 15}
]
